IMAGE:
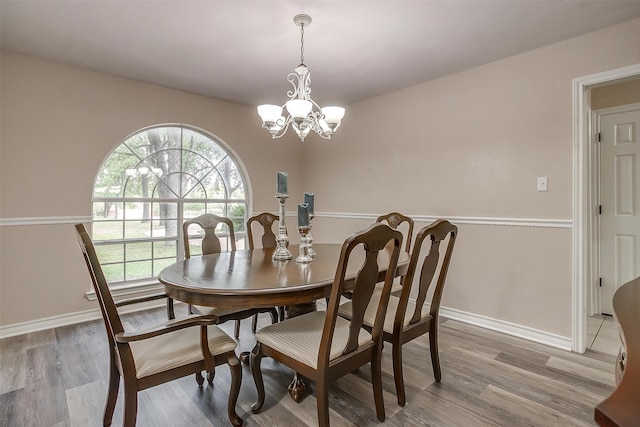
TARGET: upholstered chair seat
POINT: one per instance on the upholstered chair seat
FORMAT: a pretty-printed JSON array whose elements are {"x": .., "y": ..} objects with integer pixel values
[
  {"x": 300, "y": 337},
  {"x": 175, "y": 349},
  {"x": 216, "y": 311},
  {"x": 394, "y": 301}
]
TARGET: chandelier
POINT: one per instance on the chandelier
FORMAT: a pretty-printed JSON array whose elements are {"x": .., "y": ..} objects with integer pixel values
[{"x": 304, "y": 114}]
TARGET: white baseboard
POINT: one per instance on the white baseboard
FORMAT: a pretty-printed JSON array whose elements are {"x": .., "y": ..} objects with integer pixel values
[
  {"x": 69, "y": 319},
  {"x": 508, "y": 328}
]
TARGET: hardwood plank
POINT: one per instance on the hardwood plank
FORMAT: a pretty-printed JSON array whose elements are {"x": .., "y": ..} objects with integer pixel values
[
  {"x": 82, "y": 402},
  {"x": 570, "y": 367},
  {"x": 10, "y": 414},
  {"x": 528, "y": 412},
  {"x": 13, "y": 368},
  {"x": 43, "y": 388}
]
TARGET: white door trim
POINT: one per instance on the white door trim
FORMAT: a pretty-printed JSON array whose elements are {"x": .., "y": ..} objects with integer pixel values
[{"x": 582, "y": 264}]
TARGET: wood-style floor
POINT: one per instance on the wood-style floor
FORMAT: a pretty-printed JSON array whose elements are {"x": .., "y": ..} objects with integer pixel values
[{"x": 58, "y": 378}]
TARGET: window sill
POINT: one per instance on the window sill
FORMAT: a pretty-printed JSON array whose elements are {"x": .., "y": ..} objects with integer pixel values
[{"x": 130, "y": 290}]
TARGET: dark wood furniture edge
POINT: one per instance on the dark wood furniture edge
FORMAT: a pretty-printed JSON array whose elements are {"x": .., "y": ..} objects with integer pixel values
[{"x": 622, "y": 408}]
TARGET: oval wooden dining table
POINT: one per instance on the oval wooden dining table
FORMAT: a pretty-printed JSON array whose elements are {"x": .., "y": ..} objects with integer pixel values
[{"x": 244, "y": 279}]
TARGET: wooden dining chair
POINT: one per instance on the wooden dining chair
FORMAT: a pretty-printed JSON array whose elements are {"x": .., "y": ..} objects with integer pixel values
[
  {"x": 159, "y": 353},
  {"x": 210, "y": 244},
  {"x": 406, "y": 319},
  {"x": 321, "y": 345},
  {"x": 264, "y": 220}
]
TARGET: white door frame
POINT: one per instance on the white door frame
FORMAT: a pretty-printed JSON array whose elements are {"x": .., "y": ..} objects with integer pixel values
[{"x": 583, "y": 209}]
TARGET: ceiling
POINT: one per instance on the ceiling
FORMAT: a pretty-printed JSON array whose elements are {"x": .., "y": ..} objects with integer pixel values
[{"x": 242, "y": 51}]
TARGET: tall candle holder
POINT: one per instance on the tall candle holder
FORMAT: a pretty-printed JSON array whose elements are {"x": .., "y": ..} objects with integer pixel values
[
  {"x": 304, "y": 256},
  {"x": 312, "y": 253},
  {"x": 282, "y": 252}
]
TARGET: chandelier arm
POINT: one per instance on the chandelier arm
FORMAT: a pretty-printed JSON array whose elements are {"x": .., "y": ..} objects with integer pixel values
[
  {"x": 294, "y": 79},
  {"x": 282, "y": 131}
]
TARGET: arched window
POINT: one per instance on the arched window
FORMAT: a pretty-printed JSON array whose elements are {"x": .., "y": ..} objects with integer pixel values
[{"x": 157, "y": 178}]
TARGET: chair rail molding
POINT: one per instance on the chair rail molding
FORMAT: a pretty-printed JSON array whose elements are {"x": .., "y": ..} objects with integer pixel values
[
  {"x": 44, "y": 220},
  {"x": 506, "y": 222}
]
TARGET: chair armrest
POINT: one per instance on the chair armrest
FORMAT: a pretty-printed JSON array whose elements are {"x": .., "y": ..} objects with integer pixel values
[
  {"x": 136, "y": 300},
  {"x": 165, "y": 328}
]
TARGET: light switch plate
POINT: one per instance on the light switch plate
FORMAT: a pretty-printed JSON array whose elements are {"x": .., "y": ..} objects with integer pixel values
[{"x": 542, "y": 183}]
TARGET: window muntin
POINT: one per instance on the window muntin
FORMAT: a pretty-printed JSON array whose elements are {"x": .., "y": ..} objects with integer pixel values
[{"x": 149, "y": 185}]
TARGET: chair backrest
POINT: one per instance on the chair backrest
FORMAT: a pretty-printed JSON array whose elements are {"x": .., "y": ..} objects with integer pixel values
[
  {"x": 379, "y": 254},
  {"x": 395, "y": 219},
  {"x": 266, "y": 220},
  {"x": 210, "y": 241},
  {"x": 100, "y": 285},
  {"x": 437, "y": 232}
]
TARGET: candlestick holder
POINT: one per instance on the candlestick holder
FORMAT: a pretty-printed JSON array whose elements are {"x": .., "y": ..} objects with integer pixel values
[
  {"x": 312, "y": 253},
  {"x": 304, "y": 256},
  {"x": 282, "y": 252}
]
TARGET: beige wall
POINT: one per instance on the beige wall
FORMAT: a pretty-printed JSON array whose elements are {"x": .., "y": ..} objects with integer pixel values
[
  {"x": 58, "y": 124},
  {"x": 467, "y": 146},
  {"x": 617, "y": 94},
  {"x": 472, "y": 144}
]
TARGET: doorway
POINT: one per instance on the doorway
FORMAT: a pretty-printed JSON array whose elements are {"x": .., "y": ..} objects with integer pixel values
[{"x": 585, "y": 277}]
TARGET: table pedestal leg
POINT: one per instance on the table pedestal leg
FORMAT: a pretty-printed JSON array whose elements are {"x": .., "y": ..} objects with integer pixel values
[{"x": 298, "y": 388}]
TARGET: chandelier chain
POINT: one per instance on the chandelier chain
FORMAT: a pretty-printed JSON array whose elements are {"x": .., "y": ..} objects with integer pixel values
[{"x": 302, "y": 44}]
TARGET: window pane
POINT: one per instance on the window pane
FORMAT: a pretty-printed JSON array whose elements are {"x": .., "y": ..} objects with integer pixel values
[
  {"x": 110, "y": 180},
  {"x": 233, "y": 179},
  {"x": 214, "y": 186},
  {"x": 203, "y": 145},
  {"x": 236, "y": 215},
  {"x": 195, "y": 246},
  {"x": 110, "y": 253},
  {"x": 142, "y": 179},
  {"x": 162, "y": 211},
  {"x": 159, "y": 264},
  {"x": 192, "y": 210},
  {"x": 197, "y": 192},
  {"x": 137, "y": 229},
  {"x": 139, "y": 270},
  {"x": 107, "y": 210},
  {"x": 165, "y": 222},
  {"x": 166, "y": 228},
  {"x": 166, "y": 249},
  {"x": 113, "y": 272},
  {"x": 107, "y": 230},
  {"x": 138, "y": 251},
  {"x": 216, "y": 209}
]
